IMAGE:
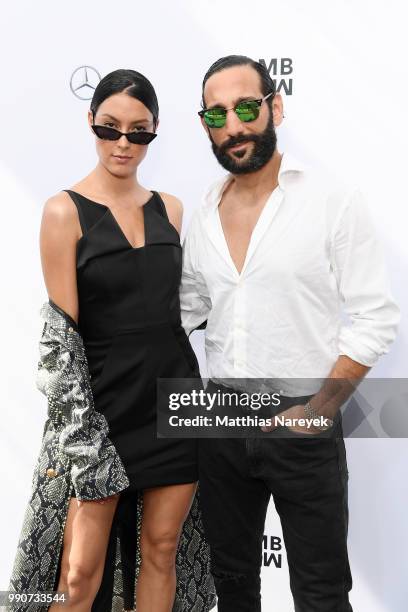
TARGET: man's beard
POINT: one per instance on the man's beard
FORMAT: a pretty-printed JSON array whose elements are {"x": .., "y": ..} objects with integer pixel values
[{"x": 262, "y": 150}]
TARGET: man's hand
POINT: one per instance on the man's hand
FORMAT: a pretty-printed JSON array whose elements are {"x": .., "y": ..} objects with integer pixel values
[
  {"x": 294, "y": 413},
  {"x": 341, "y": 382}
]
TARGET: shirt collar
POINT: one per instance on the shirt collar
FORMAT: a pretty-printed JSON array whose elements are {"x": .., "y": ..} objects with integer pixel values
[{"x": 289, "y": 165}]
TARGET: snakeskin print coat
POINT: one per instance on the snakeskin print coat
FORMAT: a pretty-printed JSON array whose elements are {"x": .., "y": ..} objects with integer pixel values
[{"x": 76, "y": 453}]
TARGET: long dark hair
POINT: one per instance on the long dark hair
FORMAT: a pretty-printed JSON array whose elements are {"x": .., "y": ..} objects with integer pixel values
[{"x": 133, "y": 83}]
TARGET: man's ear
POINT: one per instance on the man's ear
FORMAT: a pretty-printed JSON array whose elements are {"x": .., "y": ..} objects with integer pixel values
[
  {"x": 157, "y": 125},
  {"x": 277, "y": 109}
]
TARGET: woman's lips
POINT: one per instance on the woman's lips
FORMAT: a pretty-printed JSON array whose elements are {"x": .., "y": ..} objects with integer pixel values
[{"x": 122, "y": 158}]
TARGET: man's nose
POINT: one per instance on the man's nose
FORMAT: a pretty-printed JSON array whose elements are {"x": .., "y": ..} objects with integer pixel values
[{"x": 233, "y": 124}]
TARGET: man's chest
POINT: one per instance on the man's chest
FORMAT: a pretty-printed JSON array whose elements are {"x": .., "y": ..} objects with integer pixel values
[
  {"x": 237, "y": 224},
  {"x": 283, "y": 245}
]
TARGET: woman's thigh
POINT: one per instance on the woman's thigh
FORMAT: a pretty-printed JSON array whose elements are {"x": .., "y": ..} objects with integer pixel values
[
  {"x": 86, "y": 537},
  {"x": 164, "y": 511}
]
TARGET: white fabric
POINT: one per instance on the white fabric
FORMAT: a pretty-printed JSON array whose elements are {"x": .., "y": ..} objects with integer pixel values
[{"x": 312, "y": 254}]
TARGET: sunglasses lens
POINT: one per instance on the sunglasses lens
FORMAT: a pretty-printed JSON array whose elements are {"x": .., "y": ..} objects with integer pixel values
[
  {"x": 142, "y": 138},
  {"x": 247, "y": 111},
  {"x": 106, "y": 133},
  {"x": 215, "y": 117}
]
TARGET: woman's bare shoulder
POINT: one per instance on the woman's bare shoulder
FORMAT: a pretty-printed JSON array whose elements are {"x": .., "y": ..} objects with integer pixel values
[
  {"x": 60, "y": 205},
  {"x": 60, "y": 213},
  {"x": 172, "y": 203},
  {"x": 174, "y": 209}
]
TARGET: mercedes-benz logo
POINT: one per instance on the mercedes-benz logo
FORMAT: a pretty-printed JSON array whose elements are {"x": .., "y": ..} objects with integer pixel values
[{"x": 83, "y": 82}]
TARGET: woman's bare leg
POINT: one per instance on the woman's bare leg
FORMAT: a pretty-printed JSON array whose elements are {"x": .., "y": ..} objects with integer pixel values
[
  {"x": 85, "y": 543},
  {"x": 164, "y": 512}
]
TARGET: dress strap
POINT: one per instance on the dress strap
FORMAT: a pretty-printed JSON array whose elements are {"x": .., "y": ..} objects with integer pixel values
[
  {"x": 77, "y": 201},
  {"x": 159, "y": 205}
]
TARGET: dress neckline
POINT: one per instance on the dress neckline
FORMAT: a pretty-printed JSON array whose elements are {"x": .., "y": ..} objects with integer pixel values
[
  {"x": 116, "y": 222},
  {"x": 153, "y": 194}
]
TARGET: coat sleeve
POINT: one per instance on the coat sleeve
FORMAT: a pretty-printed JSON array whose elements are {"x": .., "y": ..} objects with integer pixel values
[{"x": 63, "y": 377}]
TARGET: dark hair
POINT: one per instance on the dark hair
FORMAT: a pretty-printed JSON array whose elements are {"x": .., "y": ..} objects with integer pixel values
[
  {"x": 135, "y": 85},
  {"x": 229, "y": 61}
]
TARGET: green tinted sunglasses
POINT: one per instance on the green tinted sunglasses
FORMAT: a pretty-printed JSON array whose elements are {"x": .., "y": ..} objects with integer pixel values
[{"x": 246, "y": 111}]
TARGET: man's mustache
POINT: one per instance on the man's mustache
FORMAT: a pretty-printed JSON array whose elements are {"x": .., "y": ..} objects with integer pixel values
[{"x": 235, "y": 140}]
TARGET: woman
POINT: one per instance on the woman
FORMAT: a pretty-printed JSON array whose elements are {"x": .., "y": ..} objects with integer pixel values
[{"x": 111, "y": 260}]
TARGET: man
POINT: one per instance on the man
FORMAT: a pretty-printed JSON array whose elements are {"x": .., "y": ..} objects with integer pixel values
[{"x": 267, "y": 261}]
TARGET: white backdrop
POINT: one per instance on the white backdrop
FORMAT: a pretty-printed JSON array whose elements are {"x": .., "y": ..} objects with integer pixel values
[{"x": 347, "y": 111}]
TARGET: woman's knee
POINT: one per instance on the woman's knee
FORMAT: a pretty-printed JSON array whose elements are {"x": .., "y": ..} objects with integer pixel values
[
  {"x": 159, "y": 551},
  {"x": 80, "y": 583}
]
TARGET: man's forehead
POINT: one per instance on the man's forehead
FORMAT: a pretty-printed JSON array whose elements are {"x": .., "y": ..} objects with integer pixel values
[{"x": 232, "y": 83}]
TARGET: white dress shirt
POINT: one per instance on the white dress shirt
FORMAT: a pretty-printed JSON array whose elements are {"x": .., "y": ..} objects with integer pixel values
[{"x": 313, "y": 254}]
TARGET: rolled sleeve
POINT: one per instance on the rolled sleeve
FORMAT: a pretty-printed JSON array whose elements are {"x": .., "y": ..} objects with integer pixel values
[{"x": 359, "y": 266}]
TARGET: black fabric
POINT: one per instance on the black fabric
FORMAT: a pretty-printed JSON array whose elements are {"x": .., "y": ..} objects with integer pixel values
[
  {"x": 308, "y": 479},
  {"x": 129, "y": 319},
  {"x": 124, "y": 515}
]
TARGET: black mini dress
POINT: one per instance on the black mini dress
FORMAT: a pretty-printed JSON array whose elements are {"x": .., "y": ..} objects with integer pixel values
[{"x": 129, "y": 319}]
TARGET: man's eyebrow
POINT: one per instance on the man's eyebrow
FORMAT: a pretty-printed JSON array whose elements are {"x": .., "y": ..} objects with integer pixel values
[
  {"x": 237, "y": 101},
  {"x": 114, "y": 118}
]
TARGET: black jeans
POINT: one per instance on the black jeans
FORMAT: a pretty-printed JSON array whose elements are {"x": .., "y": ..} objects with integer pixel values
[{"x": 308, "y": 479}]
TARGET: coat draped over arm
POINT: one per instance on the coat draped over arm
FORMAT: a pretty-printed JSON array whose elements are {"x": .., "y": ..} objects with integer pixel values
[{"x": 77, "y": 454}]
